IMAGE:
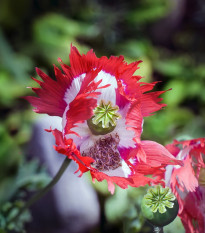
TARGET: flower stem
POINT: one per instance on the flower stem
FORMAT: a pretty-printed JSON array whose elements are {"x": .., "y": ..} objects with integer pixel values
[
  {"x": 158, "y": 229},
  {"x": 42, "y": 192}
]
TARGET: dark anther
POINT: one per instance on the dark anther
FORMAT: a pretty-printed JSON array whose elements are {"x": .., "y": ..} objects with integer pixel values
[{"x": 105, "y": 153}]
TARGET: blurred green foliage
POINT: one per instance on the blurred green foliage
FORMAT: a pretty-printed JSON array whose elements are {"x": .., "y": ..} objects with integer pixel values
[
  {"x": 29, "y": 176},
  {"x": 8, "y": 211},
  {"x": 167, "y": 35}
]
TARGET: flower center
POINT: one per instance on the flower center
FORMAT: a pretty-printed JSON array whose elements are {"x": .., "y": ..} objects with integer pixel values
[
  {"x": 159, "y": 198},
  {"x": 105, "y": 153},
  {"x": 104, "y": 119}
]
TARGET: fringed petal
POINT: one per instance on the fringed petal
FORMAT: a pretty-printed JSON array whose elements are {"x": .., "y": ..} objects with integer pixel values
[
  {"x": 81, "y": 108},
  {"x": 50, "y": 95},
  {"x": 185, "y": 185},
  {"x": 134, "y": 119},
  {"x": 193, "y": 216},
  {"x": 185, "y": 177},
  {"x": 135, "y": 180},
  {"x": 150, "y": 103},
  {"x": 84, "y": 63},
  {"x": 68, "y": 148}
]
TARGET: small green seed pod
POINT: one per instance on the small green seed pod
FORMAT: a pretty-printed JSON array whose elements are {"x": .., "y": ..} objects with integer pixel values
[
  {"x": 159, "y": 206},
  {"x": 104, "y": 119},
  {"x": 97, "y": 129}
]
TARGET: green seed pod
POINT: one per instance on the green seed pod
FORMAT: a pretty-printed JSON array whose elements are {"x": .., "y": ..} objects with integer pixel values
[
  {"x": 159, "y": 206},
  {"x": 97, "y": 129},
  {"x": 104, "y": 119}
]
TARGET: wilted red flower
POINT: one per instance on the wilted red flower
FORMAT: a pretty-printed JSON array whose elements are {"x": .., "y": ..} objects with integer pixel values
[
  {"x": 102, "y": 106},
  {"x": 187, "y": 182}
]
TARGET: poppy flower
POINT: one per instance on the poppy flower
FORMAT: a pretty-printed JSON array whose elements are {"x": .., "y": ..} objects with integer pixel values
[
  {"x": 102, "y": 106},
  {"x": 187, "y": 182},
  {"x": 193, "y": 212}
]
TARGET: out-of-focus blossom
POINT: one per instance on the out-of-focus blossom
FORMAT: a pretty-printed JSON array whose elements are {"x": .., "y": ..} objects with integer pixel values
[
  {"x": 187, "y": 182},
  {"x": 102, "y": 106}
]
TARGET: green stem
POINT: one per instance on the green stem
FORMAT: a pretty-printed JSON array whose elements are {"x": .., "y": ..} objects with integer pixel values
[
  {"x": 42, "y": 192},
  {"x": 158, "y": 229}
]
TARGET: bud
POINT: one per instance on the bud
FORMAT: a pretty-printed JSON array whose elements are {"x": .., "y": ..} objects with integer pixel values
[{"x": 159, "y": 206}]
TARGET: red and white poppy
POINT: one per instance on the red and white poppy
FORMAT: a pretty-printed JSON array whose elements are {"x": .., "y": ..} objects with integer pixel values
[
  {"x": 102, "y": 106},
  {"x": 187, "y": 182}
]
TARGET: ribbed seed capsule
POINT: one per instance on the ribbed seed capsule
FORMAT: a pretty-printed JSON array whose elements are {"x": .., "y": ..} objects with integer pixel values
[
  {"x": 104, "y": 119},
  {"x": 160, "y": 206}
]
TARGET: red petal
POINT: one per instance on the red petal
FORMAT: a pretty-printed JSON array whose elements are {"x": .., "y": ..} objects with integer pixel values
[
  {"x": 150, "y": 103},
  {"x": 128, "y": 83},
  {"x": 192, "y": 216},
  {"x": 156, "y": 154},
  {"x": 82, "y": 63},
  {"x": 50, "y": 94},
  {"x": 134, "y": 119},
  {"x": 136, "y": 180},
  {"x": 185, "y": 176},
  {"x": 81, "y": 108},
  {"x": 69, "y": 149},
  {"x": 174, "y": 150},
  {"x": 194, "y": 142},
  {"x": 194, "y": 148}
]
